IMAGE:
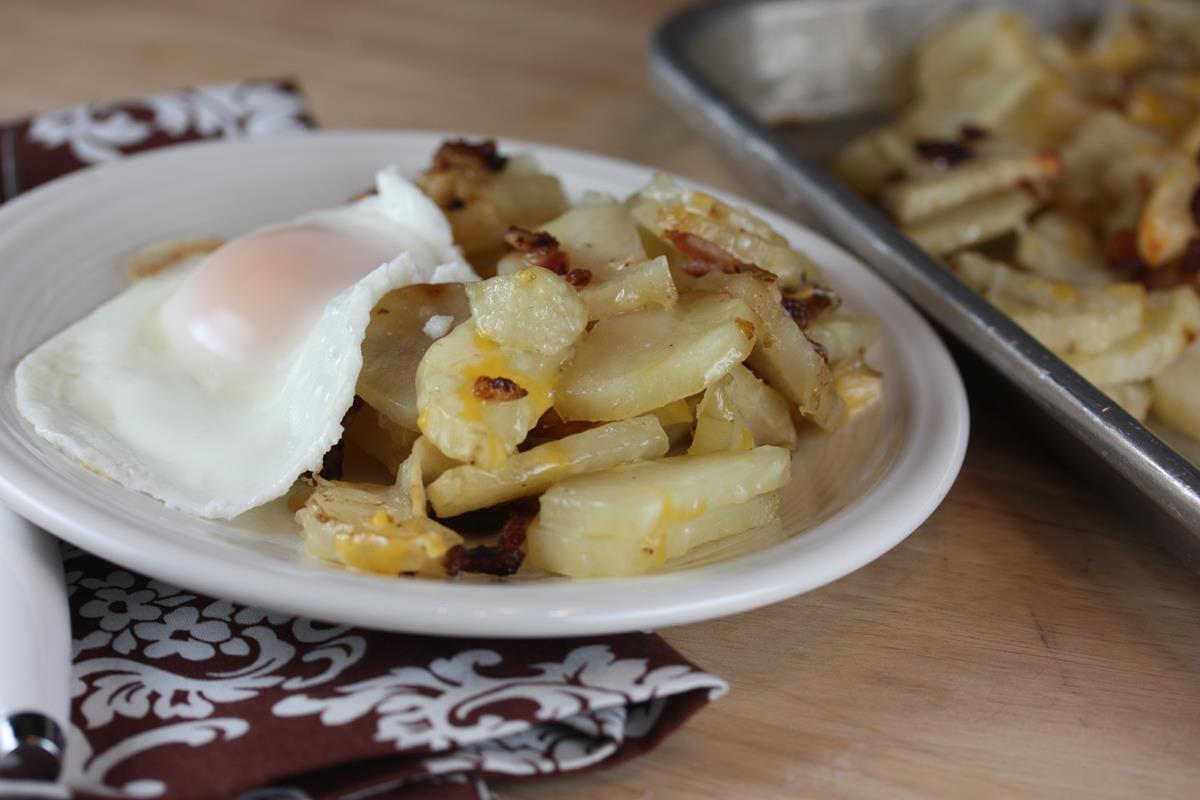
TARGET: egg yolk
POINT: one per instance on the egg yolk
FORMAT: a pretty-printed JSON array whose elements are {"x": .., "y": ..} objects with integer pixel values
[{"x": 253, "y": 299}]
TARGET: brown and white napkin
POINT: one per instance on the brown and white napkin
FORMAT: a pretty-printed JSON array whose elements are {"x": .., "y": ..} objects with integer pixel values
[{"x": 177, "y": 695}]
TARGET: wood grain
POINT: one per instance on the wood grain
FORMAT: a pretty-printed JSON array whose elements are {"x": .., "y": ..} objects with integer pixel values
[{"x": 1028, "y": 640}]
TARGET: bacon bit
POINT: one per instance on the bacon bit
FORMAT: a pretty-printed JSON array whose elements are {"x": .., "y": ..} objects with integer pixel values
[
  {"x": 972, "y": 133},
  {"x": 1182, "y": 271},
  {"x": 746, "y": 327},
  {"x": 479, "y": 156},
  {"x": 1167, "y": 276},
  {"x": 579, "y": 277},
  {"x": 804, "y": 309},
  {"x": 942, "y": 153},
  {"x": 498, "y": 389},
  {"x": 1194, "y": 207},
  {"x": 503, "y": 558},
  {"x": 488, "y": 521},
  {"x": 1190, "y": 260},
  {"x": 539, "y": 249},
  {"x": 1121, "y": 253},
  {"x": 552, "y": 426},
  {"x": 1189, "y": 335},
  {"x": 332, "y": 464},
  {"x": 1030, "y": 188},
  {"x": 704, "y": 256}
]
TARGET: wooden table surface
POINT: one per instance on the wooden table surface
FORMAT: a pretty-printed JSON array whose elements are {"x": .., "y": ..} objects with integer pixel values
[{"x": 1027, "y": 640}]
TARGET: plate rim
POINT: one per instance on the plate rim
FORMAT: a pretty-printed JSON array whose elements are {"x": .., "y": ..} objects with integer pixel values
[{"x": 478, "y": 609}]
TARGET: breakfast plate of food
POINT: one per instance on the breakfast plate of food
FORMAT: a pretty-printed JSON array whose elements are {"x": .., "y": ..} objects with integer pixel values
[{"x": 436, "y": 384}]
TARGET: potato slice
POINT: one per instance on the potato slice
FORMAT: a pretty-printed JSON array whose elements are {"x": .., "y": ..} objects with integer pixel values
[
  {"x": 859, "y": 386},
  {"x": 1135, "y": 398},
  {"x": 531, "y": 472},
  {"x": 764, "y": 410},
  {"x": 1050, "y": 115},
  {"x": 986, "y": 97},
  {"x": 634, "y": 288},
  {"x": 868, "y": 162},
  {"x": 1104, "y": 317},
  {"x": 482, "y": 200},
  {"x": 719, "y": 426},
  {"x": 1166, "y": 224},
  {"x": 1171, "y": 322},
  {"x": 473, "y": 428},
  {"x": 970, "y": 42},
  {"x": 598, "y": 237},
  {"x": 395, "y": 342},
  {"x": 1177, "y": 394},
  {"x": 720, "y": 523},
  {"x": 1120, "y": 41},
  {"x": 533, "y": 309},
  {"x": 1065, "y": 318},
  {"x": 976, "y": 221},
  {"x": 634, "y": 363},
  {"x": 740, "y": 412},
  {"x": 373, "y": 528},
  {"x": 624, "y": 521},
  {"x": 783, "y": 356},
  {"x": 845, "y": 337},
  {"x": 1090, "y": 159},
  {"x": 1060, "y": 248},
  {"x": 663, "y": 205},
  {"x": 922, "y": 196}
]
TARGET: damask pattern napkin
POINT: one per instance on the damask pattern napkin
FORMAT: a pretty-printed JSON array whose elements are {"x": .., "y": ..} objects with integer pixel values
[{"x": 177, "y": 695}]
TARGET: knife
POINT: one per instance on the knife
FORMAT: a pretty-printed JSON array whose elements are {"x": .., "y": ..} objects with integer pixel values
[{"x": 35, "y": 658}]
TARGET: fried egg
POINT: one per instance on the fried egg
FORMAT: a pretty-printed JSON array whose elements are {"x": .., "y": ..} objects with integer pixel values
[{"x": 214, "y": 384}]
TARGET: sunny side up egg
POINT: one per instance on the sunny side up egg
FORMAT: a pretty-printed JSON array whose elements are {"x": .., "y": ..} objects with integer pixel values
[{"x": 213, "y": 385}]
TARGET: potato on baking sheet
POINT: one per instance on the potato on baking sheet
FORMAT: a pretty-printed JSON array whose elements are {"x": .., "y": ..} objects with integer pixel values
[
  {"x": 1171, "y": 324},
  {"x": 1064, "y": 317},
  {"x": 1058, "y": 175}
]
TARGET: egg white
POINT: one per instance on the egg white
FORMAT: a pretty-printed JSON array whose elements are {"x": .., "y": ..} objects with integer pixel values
[{"x": 116, "y": 392}]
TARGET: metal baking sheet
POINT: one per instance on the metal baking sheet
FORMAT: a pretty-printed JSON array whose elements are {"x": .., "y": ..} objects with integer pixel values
[{"x": 832, "y": 68}]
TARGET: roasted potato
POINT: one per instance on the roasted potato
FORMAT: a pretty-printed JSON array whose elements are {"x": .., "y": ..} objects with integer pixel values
[
  {"x": 627, "y": 520},
  {"x": 634, "y": 363}
]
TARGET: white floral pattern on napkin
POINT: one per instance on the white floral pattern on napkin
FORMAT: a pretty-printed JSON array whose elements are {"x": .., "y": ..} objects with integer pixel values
[
  {"x": 167, "y": 667},
  {"x": 97, "y": 132}
]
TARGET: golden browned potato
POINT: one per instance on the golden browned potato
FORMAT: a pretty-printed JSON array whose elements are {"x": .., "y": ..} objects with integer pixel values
[{"x": 484, "y": 193}]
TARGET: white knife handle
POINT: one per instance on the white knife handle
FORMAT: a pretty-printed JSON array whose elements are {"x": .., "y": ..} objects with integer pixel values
[{"x": 35, "y": 668}]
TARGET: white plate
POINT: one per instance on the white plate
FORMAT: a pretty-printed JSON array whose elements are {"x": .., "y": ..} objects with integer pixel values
[{"x": 856, "y": 493}]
